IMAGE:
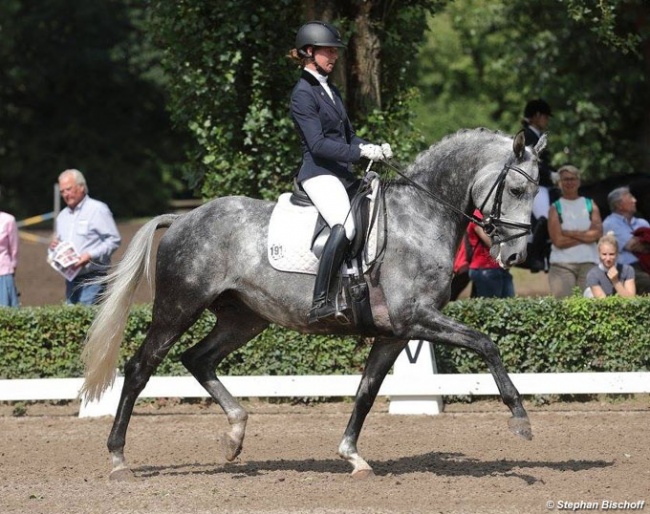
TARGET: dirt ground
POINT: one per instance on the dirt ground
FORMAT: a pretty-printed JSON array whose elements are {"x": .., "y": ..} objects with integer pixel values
[
  {"x": 463, "y": 461},
  {"x": 39, "y": 284}
]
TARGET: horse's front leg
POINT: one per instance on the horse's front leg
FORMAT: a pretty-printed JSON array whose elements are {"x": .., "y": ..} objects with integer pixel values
[
  {"x": 382, "y": 355},
  {"x": 437, "y": 328}
]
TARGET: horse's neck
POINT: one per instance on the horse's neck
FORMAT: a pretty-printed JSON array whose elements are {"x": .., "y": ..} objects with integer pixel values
[
  {"x": 428, "y": 216},
  {"x": 449, "y": 186}
]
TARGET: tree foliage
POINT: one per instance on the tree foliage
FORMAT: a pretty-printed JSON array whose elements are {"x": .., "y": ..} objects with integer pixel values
[
  {"x": 485, "y": 59},
  {"x": 230, "y": 81},
  {"x": 80, "y": 87}
]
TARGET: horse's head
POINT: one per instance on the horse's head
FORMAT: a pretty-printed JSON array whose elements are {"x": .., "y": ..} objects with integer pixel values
[{"x": 504, "y": 191}]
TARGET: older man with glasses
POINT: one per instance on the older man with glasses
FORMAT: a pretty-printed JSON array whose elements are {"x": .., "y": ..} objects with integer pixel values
[{"x": 623, "y": 223}]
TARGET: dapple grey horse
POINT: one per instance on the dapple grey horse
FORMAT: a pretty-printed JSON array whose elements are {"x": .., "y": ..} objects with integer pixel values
[{"x": 215, "y": 257}]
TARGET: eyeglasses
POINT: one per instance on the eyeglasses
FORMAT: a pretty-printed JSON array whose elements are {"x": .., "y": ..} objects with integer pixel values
[{"x": 569, "y": 179}]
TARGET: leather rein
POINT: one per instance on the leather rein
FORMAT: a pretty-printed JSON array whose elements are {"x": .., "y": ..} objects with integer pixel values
[{"x": 491, "y": 222}]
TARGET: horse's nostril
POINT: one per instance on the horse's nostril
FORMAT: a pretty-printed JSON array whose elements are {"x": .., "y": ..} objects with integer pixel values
[{"x": 514, "y": 258}]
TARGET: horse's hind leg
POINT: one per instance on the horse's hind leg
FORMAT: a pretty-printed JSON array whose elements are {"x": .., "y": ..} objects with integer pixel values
[
  {"x": 382, "y": 355},
  {"x": 236, "y": 325},
  {"x": 159, "y": 339}
]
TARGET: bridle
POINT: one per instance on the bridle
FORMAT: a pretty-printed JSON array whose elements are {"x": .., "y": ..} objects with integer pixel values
[{"x": 492, "y": 221}]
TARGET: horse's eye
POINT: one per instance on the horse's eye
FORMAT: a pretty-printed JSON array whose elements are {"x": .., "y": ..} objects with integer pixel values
[{"x": 517, "y": 192}]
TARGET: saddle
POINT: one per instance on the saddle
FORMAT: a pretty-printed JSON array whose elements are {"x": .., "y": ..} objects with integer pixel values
[{"x": 290, "y": 255}]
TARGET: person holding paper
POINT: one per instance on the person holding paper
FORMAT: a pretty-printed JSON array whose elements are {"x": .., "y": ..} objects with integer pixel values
[{"x": 88, "y": 226}]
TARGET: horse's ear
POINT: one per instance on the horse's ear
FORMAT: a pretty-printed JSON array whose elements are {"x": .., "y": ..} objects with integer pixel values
[
  {"x": 519, "y": 145},
  {"x": 541, "y": 144}
]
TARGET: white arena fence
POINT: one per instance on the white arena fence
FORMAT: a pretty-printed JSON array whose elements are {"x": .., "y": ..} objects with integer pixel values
[{"x": 414, "y": 387}]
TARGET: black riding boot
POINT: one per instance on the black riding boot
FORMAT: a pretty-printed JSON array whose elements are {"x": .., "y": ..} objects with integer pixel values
[
  {"x": 539, "y": 247},
  {"x": 325, "y": 287}
]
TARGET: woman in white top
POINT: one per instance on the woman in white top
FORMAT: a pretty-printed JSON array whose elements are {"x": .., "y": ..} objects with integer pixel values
[{"x": 574, "y": 225}]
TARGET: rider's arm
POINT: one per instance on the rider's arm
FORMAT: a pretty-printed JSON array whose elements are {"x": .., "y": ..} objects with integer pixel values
[
  {"x": 313, "y": 123},
  {"x": 598, "y": 292}
]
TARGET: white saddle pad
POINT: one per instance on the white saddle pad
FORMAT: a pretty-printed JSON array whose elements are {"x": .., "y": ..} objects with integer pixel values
[{"x": 290, "y": 233}]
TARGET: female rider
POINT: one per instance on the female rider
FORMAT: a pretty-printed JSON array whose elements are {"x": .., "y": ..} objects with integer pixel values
[{"x": 329, "y": 147}]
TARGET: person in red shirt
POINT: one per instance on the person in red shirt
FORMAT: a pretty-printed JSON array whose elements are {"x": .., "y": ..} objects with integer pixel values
[{"x": 488, "y": 278}]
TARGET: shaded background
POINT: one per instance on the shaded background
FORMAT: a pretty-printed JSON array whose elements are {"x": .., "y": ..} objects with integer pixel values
[{"x": 162, "y": 100}]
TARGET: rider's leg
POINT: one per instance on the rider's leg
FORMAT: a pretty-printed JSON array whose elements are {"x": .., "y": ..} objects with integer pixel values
[
  {"x": 331, "y": 199},
  {"x": 325, "y": 286}
]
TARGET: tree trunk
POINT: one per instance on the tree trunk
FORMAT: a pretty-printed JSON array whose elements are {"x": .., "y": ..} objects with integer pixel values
[
  {"x": 364, "y": 93},
  {"x": 358, "y": 70}
]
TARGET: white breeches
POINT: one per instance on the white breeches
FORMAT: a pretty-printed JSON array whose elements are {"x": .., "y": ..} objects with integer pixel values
[{"x": 331, "y": 199}]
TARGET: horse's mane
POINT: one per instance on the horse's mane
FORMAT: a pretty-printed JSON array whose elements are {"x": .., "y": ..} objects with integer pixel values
[{"x": 434, "y": 158}]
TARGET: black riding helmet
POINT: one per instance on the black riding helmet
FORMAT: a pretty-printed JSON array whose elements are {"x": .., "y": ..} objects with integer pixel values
[
  {"x": 537, "y": 106},
  {"x": 317, "y": 33}
]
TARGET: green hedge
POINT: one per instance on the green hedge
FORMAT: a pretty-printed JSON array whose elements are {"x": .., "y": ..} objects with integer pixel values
[
  {"x": 534, "y": 335},
  {"x": 46, "y": 342},
  {"x": 550, "y": 335}
]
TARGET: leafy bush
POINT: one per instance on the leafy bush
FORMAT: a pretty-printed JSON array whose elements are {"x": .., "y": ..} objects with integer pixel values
[
  {"x": 550, "y": 335},
  {"x": 41, "y": 342},
  {"x": 533, "y": 335}
]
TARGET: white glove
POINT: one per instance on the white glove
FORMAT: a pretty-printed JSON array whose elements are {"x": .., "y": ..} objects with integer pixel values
[
  {"x": 387, "y": 151},
  {"x": 372, "y": 152}
]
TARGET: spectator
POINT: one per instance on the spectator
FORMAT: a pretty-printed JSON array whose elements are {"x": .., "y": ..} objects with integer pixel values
[
  {"x": 489, "y": 280},
  {"x": 623, "y": 223},
  {"x": 8, "y": 260},
  {"x": 460, "y": 278},
  {"x": 88, "y": 225},
  {"x": 609, "y": 277},
  {"x": 537, "y": 114},
  {"x": 575, "y": 226}
]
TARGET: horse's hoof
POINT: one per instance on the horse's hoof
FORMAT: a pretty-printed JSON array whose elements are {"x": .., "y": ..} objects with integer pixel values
[
  {"x": 363, "y": 474},
  {"x": 122, "y": 475},
  {"x": 231, "y": 448},
  {"x": 521, "y": 427}
]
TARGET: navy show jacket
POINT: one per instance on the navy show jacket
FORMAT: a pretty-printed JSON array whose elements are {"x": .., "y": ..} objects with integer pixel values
[{"x": 328, "y": 142}]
